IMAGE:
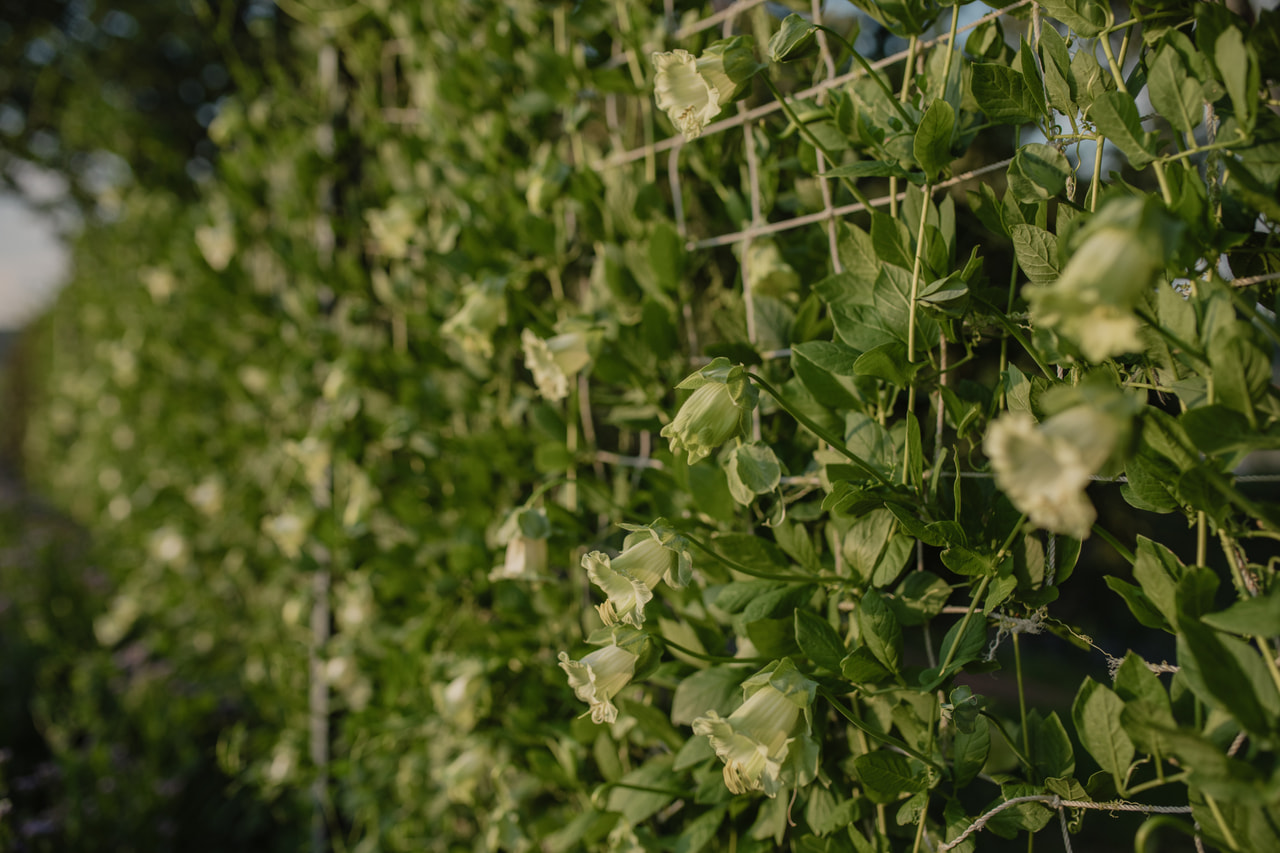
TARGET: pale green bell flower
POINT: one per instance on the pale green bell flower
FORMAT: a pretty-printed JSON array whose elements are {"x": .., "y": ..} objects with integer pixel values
[
  {"x": 598, "y": 677},
  {"x": 473, "y": 325},
  {"x": 693, "y": 91},
  {"x": 755, "y": 740},
  {"x": 554, "y": 361},
  {"x": 1045, "y": 469},
  {"x": 718, "y": 410}
]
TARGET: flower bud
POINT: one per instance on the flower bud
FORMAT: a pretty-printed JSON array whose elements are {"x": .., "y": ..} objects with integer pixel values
[
  {"x": 795, "y": 40},
  {"x": 716, "y": 412}
]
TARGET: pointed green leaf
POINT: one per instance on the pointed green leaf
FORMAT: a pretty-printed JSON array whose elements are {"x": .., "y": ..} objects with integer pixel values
[
  {"x": 1116, "y": 117},
  {"x": 1038, "y": 173},
  {"x": 1096, "y": 714},
  {"x": 818, "y": 640},
  {"x": 1037, "y": 253},
  {"x": 932, "y": 146}
]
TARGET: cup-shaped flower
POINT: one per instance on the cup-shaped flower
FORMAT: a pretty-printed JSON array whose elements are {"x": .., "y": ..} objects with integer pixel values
[
  {"x": 719, "y": 409},
  {"x": 625, "y": 593},
  {"x": 1044, "y": 469},
  {"x": 755, "y": 740},
  {"x": 689, "y": 99},
  {"x": 472, "y": 326},
  {"x": 1116, "y": 259},
  {"x": 598, "y": 677},
  {"x": 675, "y": 554},
  {"x": 525, "y": 533},
  {"x": 693, "y": 91},
  {"x": 554, "y": 361}
]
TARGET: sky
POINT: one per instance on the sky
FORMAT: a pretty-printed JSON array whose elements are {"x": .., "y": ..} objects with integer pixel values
[{"x": 33, "y": 261}]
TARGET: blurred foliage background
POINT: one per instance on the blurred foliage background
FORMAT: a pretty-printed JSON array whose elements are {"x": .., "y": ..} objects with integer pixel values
[{"x": 283, "y": 412}]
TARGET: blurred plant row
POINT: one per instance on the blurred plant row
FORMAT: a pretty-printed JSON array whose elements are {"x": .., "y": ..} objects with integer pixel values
[{"x": 427, "y": 389}]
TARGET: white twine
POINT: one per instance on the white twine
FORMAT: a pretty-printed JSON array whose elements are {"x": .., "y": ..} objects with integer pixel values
[{"x": 1054, "y": 801}]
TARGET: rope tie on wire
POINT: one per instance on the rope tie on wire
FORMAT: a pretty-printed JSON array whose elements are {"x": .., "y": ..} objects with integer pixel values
[
  {"x": 1056, "y": 802},
  {"x": 1007, "y": 625}
]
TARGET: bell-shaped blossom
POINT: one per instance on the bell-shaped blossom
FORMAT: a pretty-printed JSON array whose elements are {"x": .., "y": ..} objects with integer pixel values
[
  {"x": 754, "y": 742},
  {"x": 692, "y": 91},
  {"x": 650, "y": 554},
  {"x": 554, "y": 361},
  {"x": 718, "y": 409},
  {"x": 1045, "y": 469},
  {"x": 598, "y": 677},
  {"x": 472, "y": 326},
  {"x": 525, "y": 533},
  {"x": 689, "y": 99}
]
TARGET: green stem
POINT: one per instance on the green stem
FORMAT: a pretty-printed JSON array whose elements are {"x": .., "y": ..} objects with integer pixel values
[
  {"x": 911, "y": 312},
  {"x": 998, "y": 317},
  {"x": 1115, "y": 66},
  {"x": 812, "y": 139},
  {"x": 886, "y": 739},
  {"x": 1165, "y": 192},
  {"x": 756, "y": 573},
  {"x": 1105, "y": 536},
  {"x": 1156, "y": 783},
  {"x": 871, "y": 72},
  {"x": 685, "y": 650},
  {"x": 836, "y": 443},
  {"x": 1022, "y": 696},
  {"x": 964, "y": 623},
  {"x": 999, "y": 726}
]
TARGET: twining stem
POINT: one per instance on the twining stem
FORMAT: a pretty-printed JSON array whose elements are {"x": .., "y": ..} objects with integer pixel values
[
  {"x": 812, "y": 139},
  {"x": 756, "y": 573},
  {"x": 1116, "y": 72},
  {"x": 951, "y": 48},
  {"x": 1156, "y": 783},
  {"x": 685, "y": 650},
  {"x": 808, "y": 423},
  {"x": 911, "y": 311},
  {"x": 1097, "y": 173},
  {"x": 1222, "y": 824},
  {"x": 998, "y": 317},
  {"x": 1106, "y": 536},
  {"x": 1022, "y": 696},
  {"x": 1013, "y": 747},
  {"x": 924, "y": 809},
  {"x": 871, "y": 72},
  {"x": 886, "y": 739},
  {"x": 964, "y": 623}
]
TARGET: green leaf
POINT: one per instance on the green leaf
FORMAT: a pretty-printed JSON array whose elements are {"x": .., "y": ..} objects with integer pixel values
[
  {"x": 1116, "y": 117},
  {"x": 879, "y": 629},
  {"x": 699, "y": 831},
  {"x": 1038, "y": 173},
  {"x": 818, "y": 640},
  {"x": 1174, "y": 94},
  {"x": 1226, "y": 672},
  {"x": 1002, "y": 94},
  {"x": 1238, "y": 64},
  {"x": 752, "y": 469},
  {"x": 1139, "y": 604},
  {"x": 888, "y": 362},
  {"x": 637, "y": 805},
  {"x": 666, "y": 255},
  {"x": 1136, "y": 683},
  {"x": 970, "y": 752},
  {"x": 919, "y": 597},
  {"x": 1259, "y": 616},
  {"x": 1217, "y": 429},
  {"x": 1096, "y": 714},
  {"x": 826, "y": 369},
  {"x": 1037, "y": 253},
  {"x": 1240, "y": 357},
  {"x": 716, "y": 689},
  {"x": 1084, "y": 17},
  {"x": 1059, "y": 80},
  {"x": 1051, "y": 752},
  {"x": 861, "y": 667},
  {"x": 1158, "y": 572},
  {"x": 886, "y": 775},
  {"x": 932, "y": 146},
  {"x": 968, "y": 647}
]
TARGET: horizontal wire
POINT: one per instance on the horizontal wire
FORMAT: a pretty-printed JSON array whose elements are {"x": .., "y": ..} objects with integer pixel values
[
  {"x": 822, "y": 215},
  {"x": 773, "y": 106}
]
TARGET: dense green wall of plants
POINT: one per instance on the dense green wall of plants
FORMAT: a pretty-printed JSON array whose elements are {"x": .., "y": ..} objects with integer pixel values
[{"x": 375, "y": 436}]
